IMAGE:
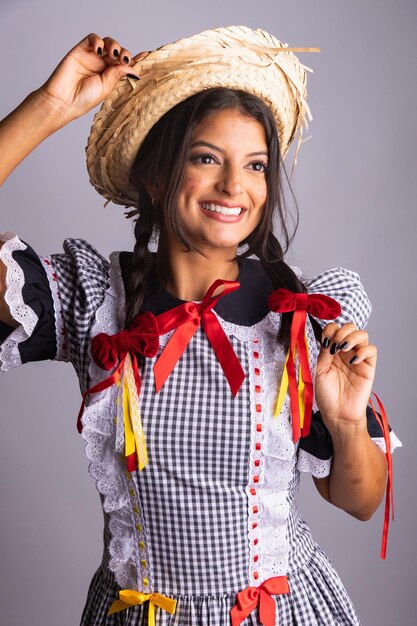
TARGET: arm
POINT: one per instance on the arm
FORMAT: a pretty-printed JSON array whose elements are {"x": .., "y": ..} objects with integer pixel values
[
  {"x": 358, "y": 473},
  {"x": 82, "y": 80}
]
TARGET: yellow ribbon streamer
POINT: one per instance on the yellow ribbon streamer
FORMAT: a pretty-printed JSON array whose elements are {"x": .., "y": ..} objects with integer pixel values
[
  {"x": 284, "y": 388},
  {"x": 134, "y": 434},
  {"x": 129, "y": 597}
]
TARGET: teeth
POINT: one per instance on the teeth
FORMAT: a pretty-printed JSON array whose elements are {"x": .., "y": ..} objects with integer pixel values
[{"x": 221, "y": 209}]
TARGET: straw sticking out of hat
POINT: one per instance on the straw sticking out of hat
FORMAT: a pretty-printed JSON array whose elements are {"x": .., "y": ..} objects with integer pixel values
[{"x": 236, "y": 57}]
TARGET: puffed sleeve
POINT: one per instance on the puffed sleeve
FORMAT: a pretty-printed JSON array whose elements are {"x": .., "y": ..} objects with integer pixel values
[
  {"x": 54, "y": 299},
  {"x": 346, "y": 287},
  {"x": 316, "y": 450}
]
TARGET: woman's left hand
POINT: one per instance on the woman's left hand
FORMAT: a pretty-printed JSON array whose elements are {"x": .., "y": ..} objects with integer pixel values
[{"x": 345, "y": 373}]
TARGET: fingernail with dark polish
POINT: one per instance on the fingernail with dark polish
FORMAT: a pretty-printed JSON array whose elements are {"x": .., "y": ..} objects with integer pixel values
[
  {"x": 99, "y": 51},
  {"x": 126, "y": 59},
  {"x": 326, "y": 342},
  {"x": 353, "y": 360},
  {"x": 343, "y": 345},
  {"x": 334, "y": 348},
  {"x": 133, "y": 76},
  {"x": 116, "y": 53}
]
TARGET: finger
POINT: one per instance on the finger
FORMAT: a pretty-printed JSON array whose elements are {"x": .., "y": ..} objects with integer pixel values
[
  {"x": 125, "y": 57},
  {"x": 346, "y": 339},
  {"x": 112, "y": 75},
  {"x": 113, "y": 49},
  {"x": 95, "y": 43},
  {"x": 139, "y": 57},
  {"x": 366, "y": 353},
  {"x": 328, "y": 333}
]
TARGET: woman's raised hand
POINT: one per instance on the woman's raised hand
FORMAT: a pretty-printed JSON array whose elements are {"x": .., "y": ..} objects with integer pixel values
[
  {"x": 86, "y": 75},
  {"x": 345, "y": 373}
]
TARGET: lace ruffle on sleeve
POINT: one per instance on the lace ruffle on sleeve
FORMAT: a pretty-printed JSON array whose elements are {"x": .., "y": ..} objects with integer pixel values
[
  {"x": 31, "y": 304},
  {"x": 315, "y": 451}
]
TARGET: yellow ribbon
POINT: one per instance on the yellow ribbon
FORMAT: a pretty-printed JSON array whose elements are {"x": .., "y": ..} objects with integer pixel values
[
  {"x": 284, "y": 388},
  {"x": 134, "y": 434},
  {"x": 129, "y": 597}
]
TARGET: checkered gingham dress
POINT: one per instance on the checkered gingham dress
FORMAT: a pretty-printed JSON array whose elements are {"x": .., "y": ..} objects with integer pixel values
[{"x": 214, "y": 511}]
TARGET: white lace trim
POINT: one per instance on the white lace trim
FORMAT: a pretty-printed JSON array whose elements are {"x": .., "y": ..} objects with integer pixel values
[
  {"x": 271, "y": 465},
  {"x": 118, "y": 488},
  {"x": 395, "y": 442},
  {"x": 62, "y": 353},
  {"x": 21, "y": 312},
  {"x": 319, "y": 468}
]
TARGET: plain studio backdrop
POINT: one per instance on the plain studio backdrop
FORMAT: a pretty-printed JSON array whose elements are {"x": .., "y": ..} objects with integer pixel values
[{"x": 354, "y": 182}]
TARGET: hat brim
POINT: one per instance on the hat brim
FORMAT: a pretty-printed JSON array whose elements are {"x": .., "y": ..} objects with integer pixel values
[{"x": 234, "y": 57}]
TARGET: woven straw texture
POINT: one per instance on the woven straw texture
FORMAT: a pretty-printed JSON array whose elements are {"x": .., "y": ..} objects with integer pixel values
[{"x": 236, "y": 57}]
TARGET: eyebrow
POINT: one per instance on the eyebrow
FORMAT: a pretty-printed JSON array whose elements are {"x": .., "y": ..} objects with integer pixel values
[{"x": 213, "y": 147}]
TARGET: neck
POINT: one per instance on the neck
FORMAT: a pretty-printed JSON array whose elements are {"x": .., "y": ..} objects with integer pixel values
[{"x": 188, "y": 275}]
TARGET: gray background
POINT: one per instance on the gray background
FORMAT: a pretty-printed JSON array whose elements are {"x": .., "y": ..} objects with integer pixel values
[{"x": 355, "y": 186}]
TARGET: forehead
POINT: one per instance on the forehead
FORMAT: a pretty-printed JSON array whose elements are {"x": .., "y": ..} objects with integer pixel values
[{"x": 230, "y": 126}]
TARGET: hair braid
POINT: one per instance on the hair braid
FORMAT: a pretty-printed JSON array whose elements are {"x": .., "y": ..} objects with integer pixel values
[{"x": 141, "y": 262}]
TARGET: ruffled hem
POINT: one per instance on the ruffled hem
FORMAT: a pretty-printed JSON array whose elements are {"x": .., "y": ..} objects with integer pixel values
[
  {"x": 21, "y": 312},
  {"x": 317, "y": 598}
]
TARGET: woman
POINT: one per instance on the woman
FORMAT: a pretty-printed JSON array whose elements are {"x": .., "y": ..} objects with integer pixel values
[{"x": 194, "y": 451}]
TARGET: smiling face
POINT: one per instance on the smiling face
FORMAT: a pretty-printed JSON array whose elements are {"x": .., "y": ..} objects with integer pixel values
[{"x": 223, "y": 195}]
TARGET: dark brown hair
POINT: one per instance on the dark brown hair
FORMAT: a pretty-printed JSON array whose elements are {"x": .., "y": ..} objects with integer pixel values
[{"x": 161, "y": 161}]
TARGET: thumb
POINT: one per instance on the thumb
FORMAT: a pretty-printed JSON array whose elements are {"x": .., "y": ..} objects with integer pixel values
[{"x": 113, "y": 74}]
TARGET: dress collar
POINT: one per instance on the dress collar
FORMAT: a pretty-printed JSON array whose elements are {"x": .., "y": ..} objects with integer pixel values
[{"x": 245, "y": 306}]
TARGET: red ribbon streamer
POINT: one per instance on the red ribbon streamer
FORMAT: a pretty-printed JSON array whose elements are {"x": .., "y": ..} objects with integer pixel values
[
  {"x": 320, "y": 306},
  {"x": 141, "y": 337},
  {"x": 252, "y": 597},
  {"x": 389, "y": 492},
  {"x": 186, "y": 319}
]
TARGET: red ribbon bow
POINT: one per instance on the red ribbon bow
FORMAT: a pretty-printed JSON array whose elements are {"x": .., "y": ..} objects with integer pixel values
[
  {"x": 141, "y": 337},
  {"x": 252, "y": 597},
  {"x": 318, "y": 305},
  {"x": 186, "y": 318}
]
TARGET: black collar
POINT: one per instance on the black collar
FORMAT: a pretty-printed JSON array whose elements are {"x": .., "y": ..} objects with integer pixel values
[{"x": 245, "y": 306}]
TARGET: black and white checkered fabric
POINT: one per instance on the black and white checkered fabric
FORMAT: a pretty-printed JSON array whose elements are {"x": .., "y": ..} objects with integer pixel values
[
  {"x": 83, "y": 279},
  {"x": 193, "y": 495},
  {"x": 346, "y": 287}
]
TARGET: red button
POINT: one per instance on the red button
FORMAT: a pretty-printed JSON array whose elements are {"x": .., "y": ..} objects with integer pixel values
[
  {"x": 257, "y": 463},
  {"x": 257, "y": 446},
  {"x": 254, "y": 525},
  {"x": 259, "y": 428},
  {"x": 258, "y": 408},
  {"x": 252, "y": 492},
  {"x": 257, "y": 371},
  {"x": 257, "y": 389},
  {"x": 256, "y": 479},
  {"x": 256, "y": 355},
  {"x": 255, "y": 575},
  {"x": 255, "y": 509},
  {"x": 256, "y": 341},
  {"x": 255, "y": 542},
  {"x": 256, "y": 558}
]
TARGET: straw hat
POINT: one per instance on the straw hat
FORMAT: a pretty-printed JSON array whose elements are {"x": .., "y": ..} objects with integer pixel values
[{"x": 236, "y": 57}]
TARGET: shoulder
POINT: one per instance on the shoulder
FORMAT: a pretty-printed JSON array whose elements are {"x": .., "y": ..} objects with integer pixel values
[{"x": 346, "y": 287}]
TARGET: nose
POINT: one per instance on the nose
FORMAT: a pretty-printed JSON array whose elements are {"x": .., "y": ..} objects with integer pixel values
[{"x": 230, "y": 181}]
